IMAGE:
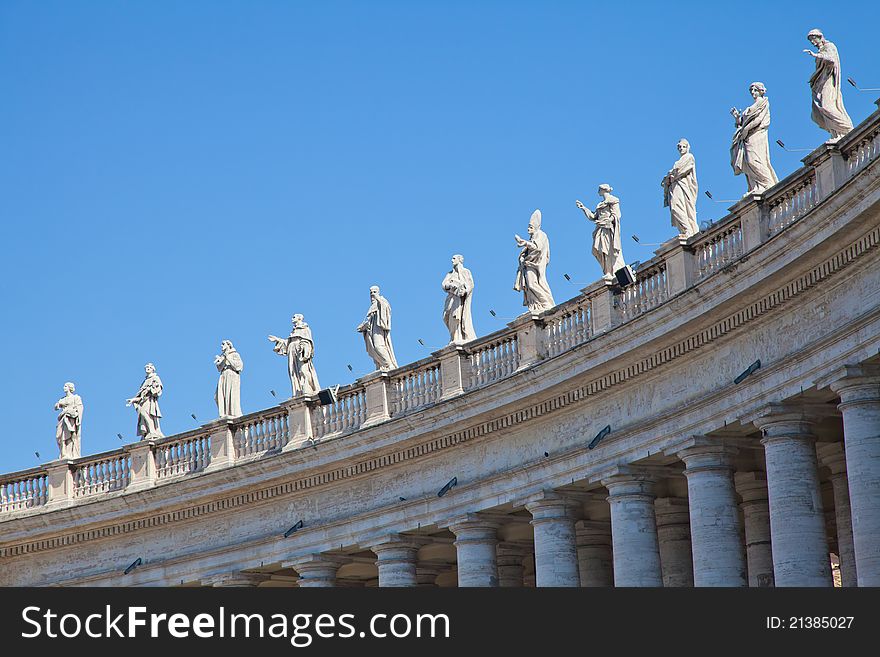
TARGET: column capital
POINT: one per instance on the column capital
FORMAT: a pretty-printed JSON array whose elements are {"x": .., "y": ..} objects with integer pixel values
[
  {"x": 593, "y": 532},
  {"x": 235, "y": 579},
  {"x": 832, "y": 456},
  {"x": 310, "y": 563},
  {"x": 511, "y": 553},
  {"x": 550, "y": 505},
  {"x": 390, "y": 542},
  {"x": 786, "y": 417},
  {"x": 751, "y": 486},
  {"x": 630, "y": 484},
  {"x": 707, "y": 455},
  {"x": 854, "y": 383},
  {"x": 671, "y": 511}
]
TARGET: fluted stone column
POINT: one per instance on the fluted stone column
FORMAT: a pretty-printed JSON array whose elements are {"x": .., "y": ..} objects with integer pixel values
[
  {"x": 556, "y": 560},
  {"x": 797, "y": 523},
  {"x": 832, "y": 456},
  {"x": 716, "y": 536},
  {"x": 397, "y": 558},
  {"x": 595, "y": 560},
  {"x": 752, "y": 487},
  {"x": 316, "y": 571},
  {"x": 510, "y": 565},
  {"x": 634, "y": 530},
  {"x": 475, "y": 542},
  {"x": 859, "y": 391},
  {"x": 674, "y": 541}
]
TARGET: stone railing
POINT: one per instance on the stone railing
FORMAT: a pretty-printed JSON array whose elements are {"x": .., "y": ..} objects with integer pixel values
[
  {"x": 456, "y": 369},
  {"x": 864, "y": 150},
  {"x": 493, "y": 357},
  {"x": 347, "y": 413},
  {"x": 648, "y": 290},
  {"x": 101, "y": 474},
  {"x": 790, "y": 200},
  {"x": 716, "y": 247},
  {"x": 415, "y": 386},
  {"x": 261, "y": 432},
  {"x": 24, "y": 490},
  {"x": 569, "y": 324},
  {"x": 182, "y": 455}
]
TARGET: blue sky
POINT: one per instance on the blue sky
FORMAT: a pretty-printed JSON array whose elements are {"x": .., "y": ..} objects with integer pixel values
[{"x": 179, "y": 173}]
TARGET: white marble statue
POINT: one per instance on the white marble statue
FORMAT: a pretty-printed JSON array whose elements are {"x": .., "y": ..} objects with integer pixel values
[
  {"x": 825, "y": 83},
  {"x": 531, "y": 276},
  {"x": 299, "y": 347},
  {"x": 68, "y": 432},
  {"x": 146, "y": 403},
  {"x": 680, "y": 191},
  {"x": 228, "y": 393},
  {"x": 376, "y": 329},
  {"x": 750, "y": 150},
  {"x": 607, "y": 247},
  {"x": 459, "y": 286}
]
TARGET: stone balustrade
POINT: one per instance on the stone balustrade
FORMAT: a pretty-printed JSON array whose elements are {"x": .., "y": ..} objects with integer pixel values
[
  {"x": 458, "y": 369},
  {"x": 347, "y": 413},
  {"x": 415, "y": 386},
  {"x": 101, "y": 474},
  {"x": 261, "y": 432}
]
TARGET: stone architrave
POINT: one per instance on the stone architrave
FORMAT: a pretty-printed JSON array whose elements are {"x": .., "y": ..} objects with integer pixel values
[
  {"x": 68, "y": 431},
  {"x": 457, "y": 314},
  {"x": 825, "y": 83},
  {"x": 750, "y": 150},
  {"x": 680, "y": 191},
  {"x": 376, "y": 329},
  {"x": 228, "y": 393},
  {"x": 531, "y": 276},
  {"x": 607, "y": 247},
  {"x": 299, "y": 347},
  {"x": 146, "y": 403}
]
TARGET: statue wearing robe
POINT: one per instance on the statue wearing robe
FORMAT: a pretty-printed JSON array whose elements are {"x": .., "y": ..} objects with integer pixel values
[
  {"x": 750, "y": 150},
  {"x": 828, "y": 110},
  {"x": 69, "y": 427},
  {"x": 531, "y": 275},
  {"x": 680, "y": 194},
  {"x": 228, "y": 394},
  {"x": 146, "y": 403},
  {"x": 300, "y": 350},
  {"x": 607, "y": 248},
  {"x": 376, "y": 329},
  {"x": 459, "y": 286}
]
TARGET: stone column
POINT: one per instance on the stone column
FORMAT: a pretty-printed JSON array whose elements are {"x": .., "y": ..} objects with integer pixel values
[
  {"x": 797, "y": 523},
  {"x": 426, "y": 576},
  {"x": 397, "y": 559},
  {"x": 832, "y": 456},
  {"x": 752, "y": 487},
  {"x": 595, "y": 561},
  {"x": 510, "y": 565},
  {"x": 716, "y": 537},
  {"x": 634, "y": 530},
  {"x": 556, "y": 562},
  {"x": 674, "y": 541},
  {"x": 316, "y": 570},
  {"x": 475, "y": 541},
  {"x": 859, "y": 391}
]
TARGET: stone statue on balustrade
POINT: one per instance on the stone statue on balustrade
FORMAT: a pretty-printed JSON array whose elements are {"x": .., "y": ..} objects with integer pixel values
[
  {"x": 228, "y": 394},
  {"x": 146, "y": 403},
  {"x": 300, "y": 351},
  {"x": 607, "y": 248},
  {"x": 376, "y": 329},
  {"x": 531, "y": 276},
  {"x": 459, "y": 286},
  {"x": 680, "y": 191},
  {"x": 68, "y": 431},
  {"x": 750, "y": 150},
  {"x": 828, "y": 111}
]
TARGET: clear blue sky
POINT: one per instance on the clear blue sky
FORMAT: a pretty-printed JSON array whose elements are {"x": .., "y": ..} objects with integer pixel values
[{"x": 178, "y": 173}]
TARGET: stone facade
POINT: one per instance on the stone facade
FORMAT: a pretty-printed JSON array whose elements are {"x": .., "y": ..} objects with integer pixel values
[{"x": 701, "y": 480}]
